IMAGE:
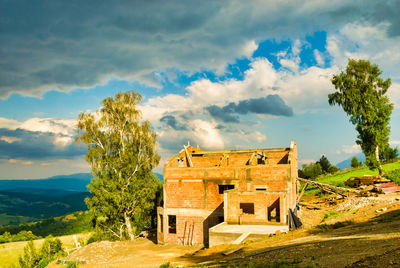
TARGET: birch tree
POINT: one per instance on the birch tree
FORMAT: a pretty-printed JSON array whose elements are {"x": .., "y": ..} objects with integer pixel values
[
  {"x": 122, "y": 153},
  {"x": 362, "y": 94}
]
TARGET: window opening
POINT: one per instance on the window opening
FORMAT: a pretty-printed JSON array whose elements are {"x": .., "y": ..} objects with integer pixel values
[
  {"x": 261, "y": 188},
  {"x": 225, "y": 187},
  {"x": 161, "y": 223},
  {"x": 172, "y": 224},
  {"x": 247, "y": 208},
  {"x": 261, "y": 159}
]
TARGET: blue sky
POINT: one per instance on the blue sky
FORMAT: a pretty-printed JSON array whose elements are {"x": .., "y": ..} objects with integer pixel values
[{"x": 220, "y": 74}]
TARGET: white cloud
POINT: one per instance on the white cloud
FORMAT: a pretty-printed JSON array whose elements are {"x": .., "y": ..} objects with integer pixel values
[
  {"x": 9, "y": 123},
  {"x": 249, "y": 48},
  {"x": 319, "y": 58},
  {"x": 349, "y": 149},
  {"x": 64, "y": 129},
  {"x": 394, "y": 143},
  {"x": 200, "y": 132},
  {"x": 56, "y": 126},
  {"x": 366, "y": 41},
  {"x": 306, "y": 161}
]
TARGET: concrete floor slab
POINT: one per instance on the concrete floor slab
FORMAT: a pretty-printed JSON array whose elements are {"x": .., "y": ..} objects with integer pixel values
[{"x": 253, "y": 229}]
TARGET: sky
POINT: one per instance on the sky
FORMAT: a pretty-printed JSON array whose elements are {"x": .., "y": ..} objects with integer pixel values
[{"x": 218, "y": 74}]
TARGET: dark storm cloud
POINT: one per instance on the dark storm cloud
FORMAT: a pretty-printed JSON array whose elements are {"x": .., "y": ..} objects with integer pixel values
[
  {"x": 24, "y": 144},
  {"x": 224, "y": 114},
  {"x": 69, "y": 44},
  {"x": 388, "y": 11},
  {"x": 271, "y": 104},
  {"x": 171, "y": 121}
]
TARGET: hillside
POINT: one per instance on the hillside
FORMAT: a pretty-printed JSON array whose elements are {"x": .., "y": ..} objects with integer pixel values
[
  {"x": 17, "y": 207},
  {"x": 340, "y": 177}
]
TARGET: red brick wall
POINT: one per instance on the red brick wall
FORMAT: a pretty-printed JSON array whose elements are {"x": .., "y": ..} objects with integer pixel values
[
  {"x": 261, "y": 202},
  {"x": 192, "y": 234},
  {"x": 184, "y": 194}
]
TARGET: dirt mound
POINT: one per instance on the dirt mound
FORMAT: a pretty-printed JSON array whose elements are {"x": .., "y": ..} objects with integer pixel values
[{"x": 139, "y": 253}]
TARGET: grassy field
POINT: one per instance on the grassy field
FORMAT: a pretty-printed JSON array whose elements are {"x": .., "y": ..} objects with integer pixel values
[
  {"x": 10, "y": 252},
  {"x": 340, "y": 177}
]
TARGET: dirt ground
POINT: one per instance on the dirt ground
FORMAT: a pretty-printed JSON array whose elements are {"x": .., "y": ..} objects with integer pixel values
[{"x": 354, "y": 232}]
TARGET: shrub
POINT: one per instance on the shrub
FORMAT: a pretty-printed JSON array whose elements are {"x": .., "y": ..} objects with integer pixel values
[
  {"x": 50, "y": 249},
  {"x": 30, "y": 258},
  {"x": 393, "y": 176}
]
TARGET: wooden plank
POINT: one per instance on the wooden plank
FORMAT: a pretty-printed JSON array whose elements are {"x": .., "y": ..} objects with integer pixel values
[
  {"x": 302, "y": 192},
  {"x": 188, "y": 156},
  {"x": 251, "y": 159},
  {"x": 331, "y": 187}
]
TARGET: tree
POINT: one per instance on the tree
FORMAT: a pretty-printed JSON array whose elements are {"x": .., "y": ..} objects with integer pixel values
[
  {"x": 310, "y": 171},
  {"x": 333, "y": 169},
  {"x": 324, "y": 162},
  {"x": 361, "y": 93},
  {"x": 355, "y": 163},
  {"x": 122, "y": 153},
  {"x": 388, "y": 153},
  {"x": 30, "y": 258}
]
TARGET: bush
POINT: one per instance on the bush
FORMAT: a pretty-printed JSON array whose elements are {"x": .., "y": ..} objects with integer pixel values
[
  {"x": 355, "y": 163},
  {"x": 50, "y": 249},
  {"x": 393, "y": 176},
  {"x": 7, "y": 237},
  {"x": 311, "y": 171},
  {"x": 30, "y": 258},
  {"x": 333, "y": 169}
]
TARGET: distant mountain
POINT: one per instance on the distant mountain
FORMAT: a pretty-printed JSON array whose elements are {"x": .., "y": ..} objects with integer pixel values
[
  {"x": 43, "y": 192},
  {"x": 347, "y": 163},
  {"x": 69, "y": 183},
  {"x": 39, "y": 206},
  {"x": 74, "y": 182}
]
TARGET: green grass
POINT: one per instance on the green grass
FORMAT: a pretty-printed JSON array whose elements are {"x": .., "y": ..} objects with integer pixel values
[
  {"x": 12, "y": 220},
  {"x": 335, "y": 214},
  {"x": 340, "y": 177},
  {"x": 10, "y": 252}
]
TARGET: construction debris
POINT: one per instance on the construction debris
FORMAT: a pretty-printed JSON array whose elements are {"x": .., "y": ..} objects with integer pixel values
[
  {"x": 328, "y": 188},
  {"x": 356, "y": 182},
  {"x": 386, "y": 188}
]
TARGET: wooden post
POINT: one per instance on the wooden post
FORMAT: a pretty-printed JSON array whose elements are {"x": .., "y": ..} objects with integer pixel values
[
  {"x": 188, "y": 156},
  {"x": 302, "y": 192}
]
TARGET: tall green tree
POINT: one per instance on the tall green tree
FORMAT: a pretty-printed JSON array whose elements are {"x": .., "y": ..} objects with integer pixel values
[
  {"x": 324, "y": 162},
  {"x": 355, "y": 163},
  {"x": 362, "y": 94},
  {"x": 122, "y": 151}
]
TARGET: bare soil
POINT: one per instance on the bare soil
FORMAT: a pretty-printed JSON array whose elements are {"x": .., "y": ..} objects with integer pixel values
[{"x": 353, "y": 232}]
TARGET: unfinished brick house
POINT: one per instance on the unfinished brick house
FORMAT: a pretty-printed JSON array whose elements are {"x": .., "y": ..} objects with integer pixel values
[{"x": 236, "y": 192}]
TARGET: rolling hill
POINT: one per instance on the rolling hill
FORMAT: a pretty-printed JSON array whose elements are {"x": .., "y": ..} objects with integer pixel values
[{"x": 17, "y": 207}]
